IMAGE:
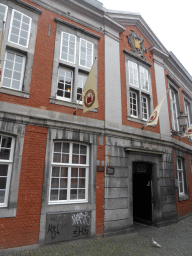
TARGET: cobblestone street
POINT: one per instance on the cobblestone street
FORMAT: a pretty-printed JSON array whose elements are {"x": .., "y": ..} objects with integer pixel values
[{"x": 175, "y": 239}]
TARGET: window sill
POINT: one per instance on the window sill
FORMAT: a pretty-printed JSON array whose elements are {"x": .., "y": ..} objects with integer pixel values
[
  {"x": 68, "y": 202},
  {"x": 183, "y": 197},
  {"x": 14, "y": 92},
  {"x": 67, "y": 104},
  {"x": 138, "y": 120},
  {"x": 7, "y": 213}
]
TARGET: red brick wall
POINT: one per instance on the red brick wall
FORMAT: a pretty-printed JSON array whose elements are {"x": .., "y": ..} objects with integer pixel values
[
  {"x": 149, "y": 57},
  {"x": 24, "y": 228},
  {"x": 100, "y": 186},
  {"x": 40, "y": 87}
]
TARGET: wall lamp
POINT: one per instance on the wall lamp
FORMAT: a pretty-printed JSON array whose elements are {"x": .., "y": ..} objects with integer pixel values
[{"x": 182, "y": 119}]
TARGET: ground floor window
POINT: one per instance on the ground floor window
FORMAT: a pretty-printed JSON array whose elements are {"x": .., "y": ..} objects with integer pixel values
[
  {"x": 69, "y": 173},
  {"x": 180, "y": 173},
  {"x": 6, "y": 160}
]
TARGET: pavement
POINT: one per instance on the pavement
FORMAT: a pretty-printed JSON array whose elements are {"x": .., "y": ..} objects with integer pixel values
[{"x": 175, "y": 240}]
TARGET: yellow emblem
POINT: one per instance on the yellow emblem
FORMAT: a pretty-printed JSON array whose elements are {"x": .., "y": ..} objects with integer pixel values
[{"x": 137, "y": 43}]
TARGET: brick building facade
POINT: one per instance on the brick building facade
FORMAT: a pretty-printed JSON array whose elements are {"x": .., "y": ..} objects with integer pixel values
[{"x": 65, "y": 176}]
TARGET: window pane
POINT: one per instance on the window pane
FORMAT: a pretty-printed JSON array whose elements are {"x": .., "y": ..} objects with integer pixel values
[
  {"x": 81, "y": 194},
  {"x": 73, "y": 194},
  {"x": 63, "y": 194},
  {"x": 74, "y": 172},
  {"x": 81, "y": 183},
  {"x": 74, "y": 183},
  {"x": 3, "y": 181},
  {"x": 75, "y": 159},
  {"x": 82, "y": 159},
  {"x": 65, "y": 148},
  {"x": 64, "y": 172},
  {"x": 57, "y": 147},
  {"x": 55, "y": 171},
  {"x": 76, "y": 148},
  {"x": 81, "y": 172},
  {"x": 54, "y": 183},
  {"x": 6, "y": 142},
  {"x": 4, "y": 154},
  {"x": 83, "y": 149},
  {"x": 63, "y": 183},
  {"x": 3, "y": 170},
  {"x": 57, "y": 158},
  {"x": 2, "y": 197},
  {"x": 54, "y": 195},
  {"x": 65, "y": 158}
]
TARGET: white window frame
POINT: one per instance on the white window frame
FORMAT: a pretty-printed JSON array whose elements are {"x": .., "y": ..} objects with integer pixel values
[
  {"x": 133, "y": 72},
  {"x": 136, "y": 98},
  {"x": 70, "y": 165},
  {"x": 65, "y": 98},
  {"x": 142, "y": 107},
  {"x": 180, "y": 170},
  {"x": 9, "y": 163},
  {"x": 81, "y": 83},
  {"x": 5, "y": 14},
  {"x": 174, "y": 115},
  {"x": 143, "y": 71},
  {"x": 61, "y": 45},
  {"x": 22, "y": 72},
  {"x": 86, "y": 57},
  {"x": 11, "y": 24}
]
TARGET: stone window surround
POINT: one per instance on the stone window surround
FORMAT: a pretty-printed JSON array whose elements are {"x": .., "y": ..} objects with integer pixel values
[
  {"x": 182, "y": 155},
  {"x": 28, "y": 53},
  {"x": 18, "y": 134},
  {"x": 140, "y": 62},
  {"x": 187, "y": 99},
  {"x": 79, "y": 33},
  {"x": 175, "y": 87}
]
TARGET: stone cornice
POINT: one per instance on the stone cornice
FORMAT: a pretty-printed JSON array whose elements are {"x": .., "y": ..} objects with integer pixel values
[
  {"x": 27, "y": 6},
  {"x": 159, "y": 53},
  {"x": 137, "y": 58},
  {"x": 63, "y": 22}
]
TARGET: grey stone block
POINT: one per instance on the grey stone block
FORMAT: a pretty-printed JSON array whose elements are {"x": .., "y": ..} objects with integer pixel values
[
  {"x": 116, "y": 192},
  {"x": 114, "y": 182},
  {"x": 117, "y": 225},
  {"x": 118, "y": 214},
  {"x": 116, "y": 203}
]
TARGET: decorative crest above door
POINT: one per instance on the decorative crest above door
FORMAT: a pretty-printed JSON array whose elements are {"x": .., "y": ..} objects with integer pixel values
[{"x": 136, "y": 43}]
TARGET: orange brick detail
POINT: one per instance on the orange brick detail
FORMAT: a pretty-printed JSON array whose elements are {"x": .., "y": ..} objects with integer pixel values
[{"x": 100, "y": 186}]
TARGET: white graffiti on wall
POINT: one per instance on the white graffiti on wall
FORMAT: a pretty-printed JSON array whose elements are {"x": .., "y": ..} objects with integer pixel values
[{"x": 81, "y": 219}]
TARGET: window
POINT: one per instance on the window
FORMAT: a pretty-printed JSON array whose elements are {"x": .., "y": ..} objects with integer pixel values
[
  {"x": 68, "y": 47},
  {"x": 82, "y": 78},
  {"x": 86, "y": 53},
  {"x": 20, "y": 29},
  {"x": 3, "y": 15},
  {"x": 71, "y": 80},
  {"x": 187, "y": 112},
  {"x": 139, "y": 91},
  {"x": 180, "y": 175},
  {"x": 145, "y": 111},
  {"x": 174, "y": 110},
  {"x": 13, "y": 71},
  {"x": 6, "y": 160},
  {"x": 133, "y": 104},
  {"x": 69, "y": 174},
  {"x": 65, "y": 83}
]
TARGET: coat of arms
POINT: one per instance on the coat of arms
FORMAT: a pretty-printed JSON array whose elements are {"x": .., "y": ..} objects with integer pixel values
[{"x": 136, "y": 43}]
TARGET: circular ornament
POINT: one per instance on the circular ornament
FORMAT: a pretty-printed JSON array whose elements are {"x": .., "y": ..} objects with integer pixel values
[
  {"x": 89, "y": 98},
  {"x": 153, "y": 117}
]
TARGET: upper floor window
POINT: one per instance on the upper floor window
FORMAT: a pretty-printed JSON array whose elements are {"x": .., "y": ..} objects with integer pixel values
[
  {"x": 174, "y": 109},
  {"x": 13, "y": 71},
  {"x": 86, "y": 53},
  {"x": 6, "y": 161},
  {"x": 3, "y": 15},
  {"x": 65, "y": 84},
  {"x": 68, "y": 47},
  {"x": 139, "y": 91},
  {"x": 69, "y": 173},
  {"x": 20, "y": 28}
]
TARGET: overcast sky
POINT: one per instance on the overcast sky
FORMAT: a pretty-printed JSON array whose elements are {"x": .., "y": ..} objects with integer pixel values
[{"x": 170, "y": 21}]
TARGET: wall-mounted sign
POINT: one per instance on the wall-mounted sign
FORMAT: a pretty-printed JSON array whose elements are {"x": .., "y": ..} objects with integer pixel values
[
  {"x": 110, "y": 170},
  {"x": 100, "y": 168},
  {"x": 64, "y": 226}
]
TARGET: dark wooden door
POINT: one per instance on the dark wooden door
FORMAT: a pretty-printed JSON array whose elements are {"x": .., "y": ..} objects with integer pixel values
[{"x": 142, "y": 192}]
